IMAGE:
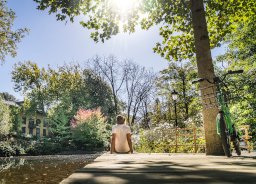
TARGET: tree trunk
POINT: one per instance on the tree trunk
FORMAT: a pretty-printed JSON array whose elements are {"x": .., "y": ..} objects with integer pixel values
[
  {"x": 115, "y": 102},
  {"x": 183, "y": 78},
  {"x": 205, "y": 70}
]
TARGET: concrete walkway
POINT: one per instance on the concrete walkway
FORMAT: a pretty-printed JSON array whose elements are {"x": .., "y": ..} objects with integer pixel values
[{"x": 166, "y": 168}]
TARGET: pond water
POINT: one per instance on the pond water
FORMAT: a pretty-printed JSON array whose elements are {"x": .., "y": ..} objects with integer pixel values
[{"x": 41, "y": 169}]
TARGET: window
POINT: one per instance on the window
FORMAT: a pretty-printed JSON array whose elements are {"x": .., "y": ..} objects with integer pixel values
[
  {"x": 31, "y": 126},
  {"x": 24, "y": 120},
  {"x": 44, "y": 132},
  {"x": 23, "y": 130},
  {"x": 31, "y": 123},
  {"x": 45, "y": 123},
  {"x": 31, "y": 131},
  {"x": 38, "y": 122},
  {"x": 37, "y": 132}
]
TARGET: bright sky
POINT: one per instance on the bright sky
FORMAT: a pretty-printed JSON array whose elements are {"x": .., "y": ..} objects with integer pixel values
[{"x": 54, "y": 42}]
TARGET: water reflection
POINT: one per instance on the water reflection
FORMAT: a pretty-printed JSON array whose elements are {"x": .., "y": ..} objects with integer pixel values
[{"x": 41, "y": 169}]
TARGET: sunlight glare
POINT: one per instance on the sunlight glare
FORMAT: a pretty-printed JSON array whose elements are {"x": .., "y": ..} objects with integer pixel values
[{"x": 125, "y": 6}]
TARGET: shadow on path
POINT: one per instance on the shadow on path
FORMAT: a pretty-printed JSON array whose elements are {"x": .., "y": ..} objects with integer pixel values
[{"x": 160, "y": 172}]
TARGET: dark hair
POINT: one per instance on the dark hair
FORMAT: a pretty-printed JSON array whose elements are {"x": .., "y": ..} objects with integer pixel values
[{"x": 120, "y": 119}]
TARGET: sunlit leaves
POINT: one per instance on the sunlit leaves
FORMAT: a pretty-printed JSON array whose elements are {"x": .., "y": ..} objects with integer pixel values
[
  {"x": 70, "y": 86},
  {"x": 174, "y": 18},
  {"x": 5, "y": 119},
  {"x": 241, "y": 54},
  {"x": 89, "y": 127},
  {"x": 178, "y": 76},
  {"x": 27, "y": 76},
  {"x": 8, "y": 37}
]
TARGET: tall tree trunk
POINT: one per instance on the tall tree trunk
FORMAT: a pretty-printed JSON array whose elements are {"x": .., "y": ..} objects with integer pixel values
[
  {"x": 205, "y": 70},
  {"x": 183, "y": 78},
  {"x": 115, "y": 103}
]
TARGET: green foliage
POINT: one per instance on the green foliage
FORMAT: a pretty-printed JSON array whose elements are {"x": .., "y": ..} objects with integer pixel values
[
  {"x": 241, "y": 54},
  {"x": 89, "y": 129},
  {"x": 48, "y": 148},
  {"x": 44, "y": 147},
  {"x": 8, "y": 37},
  {"x": 8, "y": 97},
  {"x": 174, "y": 17},
  {"x": 59, "y": 123},
  {"x": 30, "y": 80},
  {"x": 61, "y": 92},
  {"x": 5, "y": 119},
  {"x": 32, "y": 150},
  {"x": 19, "y": 150},
  {"x": 69, "y": 85},
  {"x": 98, "y": 93},
  {"x": 28, "y": 146},
  {"x": 162, "y": 139},
  {"x": 16, "y": 119},
  {"x": 178, "y": 77},
  {"x": 6, "y": 149},
  {"x": 156, "y": 116}
]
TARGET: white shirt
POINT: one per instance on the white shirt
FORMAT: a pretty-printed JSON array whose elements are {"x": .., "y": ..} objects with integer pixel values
[{"x": 121, "y": 143}]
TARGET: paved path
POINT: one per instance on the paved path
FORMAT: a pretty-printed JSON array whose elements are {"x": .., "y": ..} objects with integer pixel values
[{"x": 166, "y": 168}]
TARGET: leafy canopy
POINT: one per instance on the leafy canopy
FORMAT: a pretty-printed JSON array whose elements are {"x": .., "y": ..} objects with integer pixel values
[
  {"x": 241, "y": 53},
  {"x": 8, "y": 37},
  {"x": 105, "y": 18}
]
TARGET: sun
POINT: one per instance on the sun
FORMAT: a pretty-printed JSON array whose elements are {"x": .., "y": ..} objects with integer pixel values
[{"x": 123, "y": 7}]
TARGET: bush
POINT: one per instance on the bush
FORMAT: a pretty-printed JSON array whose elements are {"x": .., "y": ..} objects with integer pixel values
[
  {"x": 162, "y": 139},
  {"x": 6, "y": 149},
  {"x": 32, "y": 150},
  {"x": 89, "y": 129},
  {"x": 5, "y": 119},
  {"x": 43, "y": 147},
  {"x": 18, "y": 150},
  {"x": 48, "y": 148}
]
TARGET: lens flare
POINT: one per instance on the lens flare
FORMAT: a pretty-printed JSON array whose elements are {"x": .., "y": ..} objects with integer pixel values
[
  {"x": 125, "y": 6},
  {"x": 125, "y": 9}
]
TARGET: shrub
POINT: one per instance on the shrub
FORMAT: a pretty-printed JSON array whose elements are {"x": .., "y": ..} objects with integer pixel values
[
  {"x": 89, "y": 129},
  {"x": 162, "y": 139},
  {"x": 6, "y": 149},
  {"x": 32, "y": 149},
  {"x": 5, "y": 119},
  {"x": 43, "y": 147},
  {"x": 18, "y": 150},
  {"x": 48, "y": 147}
]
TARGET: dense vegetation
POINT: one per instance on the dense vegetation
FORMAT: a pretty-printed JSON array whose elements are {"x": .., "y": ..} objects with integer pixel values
[
  {"x": 8, "y": 37},
  {"x": 188, "y": 27},
  {"x": 81, "y": 102},
  {"x": 241, "y": 54}
]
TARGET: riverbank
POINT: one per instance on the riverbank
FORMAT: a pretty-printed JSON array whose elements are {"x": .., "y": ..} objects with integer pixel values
[{"x": 50, "y": 169}]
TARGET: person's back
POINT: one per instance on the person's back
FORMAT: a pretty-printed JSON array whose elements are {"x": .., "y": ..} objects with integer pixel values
[{"x": 121, "y": 137}]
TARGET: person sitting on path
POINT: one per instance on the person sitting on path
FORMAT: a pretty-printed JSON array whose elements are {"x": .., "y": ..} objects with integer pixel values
[{"x": 121, "y": 137}]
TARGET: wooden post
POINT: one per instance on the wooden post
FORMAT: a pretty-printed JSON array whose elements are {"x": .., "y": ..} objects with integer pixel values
[
  {"x": 247, "y": 137},
  {"x": 176, "y": 140},
  {"x": 194, "y": 130}
]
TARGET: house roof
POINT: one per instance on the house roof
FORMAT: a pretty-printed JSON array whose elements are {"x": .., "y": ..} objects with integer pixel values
[
  {"x": 20, "y": 103},
  {"x": 11, "y": 103}
]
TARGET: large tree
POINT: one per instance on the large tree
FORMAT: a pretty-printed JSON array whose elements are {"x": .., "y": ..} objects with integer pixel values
[
  {"x": 68, "y": 87},
  {"x": 8, "y": 97},
  {"x": 139, "y": 83},
  {"x": 178, "y": 77},
  {"x": 29, "y": 79},
  {"x": 183, "y": 27},
  {"x": 110, "y": 69},
  {"x": 8, "y": 37}
]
